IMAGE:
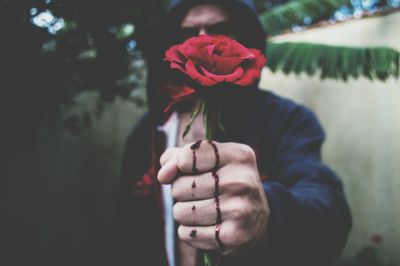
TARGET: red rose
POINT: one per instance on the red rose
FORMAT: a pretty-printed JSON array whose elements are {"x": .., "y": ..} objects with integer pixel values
[{"x": 211, "y": 60}]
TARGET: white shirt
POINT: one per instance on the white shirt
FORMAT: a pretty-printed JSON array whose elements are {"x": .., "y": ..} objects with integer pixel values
[{"x": 171, "y": 131}]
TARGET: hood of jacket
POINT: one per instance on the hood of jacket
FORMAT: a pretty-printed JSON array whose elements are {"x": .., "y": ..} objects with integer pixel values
[
  {"x": 249, "y": 3},
  {"x": 243, "y": 13}
]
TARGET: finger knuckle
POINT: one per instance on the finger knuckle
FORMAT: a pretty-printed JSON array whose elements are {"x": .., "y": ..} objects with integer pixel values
[
  {"x": 166, "y": 155},
  {"x": 181, "y": 233},
  {"x": 241, "y": 209},
  {"x": 163, "y": 157},
  {"x": 184, "y": 162},
  {"x": 248, "y": 153},
  {"x": 234, "y": 237},
  {"x": 177, "y": 211},
  {"x": 175, "y": 190},
  {"x": 245, "y": 153},
  {"x": 239, "y": 185}
]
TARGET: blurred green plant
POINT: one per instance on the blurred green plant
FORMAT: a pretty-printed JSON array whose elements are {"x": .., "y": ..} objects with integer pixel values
[
  {"x": 54, "y": 50},
  {"x": 284, "y": 17},
  {"x": 336, "y": 62}
]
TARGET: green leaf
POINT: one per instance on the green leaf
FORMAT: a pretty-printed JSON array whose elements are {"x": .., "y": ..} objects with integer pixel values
[
  {"x": 334, "y": 62},
  {"x": 285, "y": 16},
  {"x": 207, "y": 259},
  {"x": 199, "y": 109}
]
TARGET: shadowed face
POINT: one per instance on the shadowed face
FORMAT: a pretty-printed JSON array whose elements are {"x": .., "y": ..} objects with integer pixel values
[{"x": 206, "y": 19}]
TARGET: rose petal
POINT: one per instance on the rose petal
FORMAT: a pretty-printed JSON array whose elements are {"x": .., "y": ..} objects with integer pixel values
[
  {"x": 253, "y": 72},
  {"x": 207, "y": 58},
  {"x": 193, "y": 52},
  {"x": 260, "y": 59},
  {"x": 194, "y": 74},
  {"x": 178, "y": 94},
  {"x": 225, "y": 78},
  {"x": 249, "y": 77},
  {"x": 197, "y": 55},
  {"x": 173, "y": 54},
  {"x": 236, "y": 49},
  {"x": 174, "y": 65},
  {"x": 210, "y": 49},
  {"x": 225, "y": 65}
]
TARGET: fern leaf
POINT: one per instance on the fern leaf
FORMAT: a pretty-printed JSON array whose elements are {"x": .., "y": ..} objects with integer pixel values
[{"x": 334, "y": 62}]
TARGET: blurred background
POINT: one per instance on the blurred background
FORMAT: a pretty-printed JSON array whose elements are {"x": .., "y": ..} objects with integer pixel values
[{"x": 72, "y": 79}]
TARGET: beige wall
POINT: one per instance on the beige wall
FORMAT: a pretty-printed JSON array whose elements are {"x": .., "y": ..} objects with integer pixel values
[
  {"x": 362, "y": 122},
  {"x": 76, "y": 178}
]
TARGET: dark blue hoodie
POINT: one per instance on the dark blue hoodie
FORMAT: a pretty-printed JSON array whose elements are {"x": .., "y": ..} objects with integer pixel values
[
  {"x": 246, "y": 3},
  {"x": 243, "y": 13}
]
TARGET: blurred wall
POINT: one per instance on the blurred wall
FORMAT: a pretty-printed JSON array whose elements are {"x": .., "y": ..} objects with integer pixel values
[
  {"x": 57, "y": 192},
  {"x": 362, "y": 122},
  {"x": 77, "y": 179}
]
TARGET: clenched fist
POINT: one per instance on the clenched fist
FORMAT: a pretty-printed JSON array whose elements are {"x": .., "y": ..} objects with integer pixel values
[{"x": 220, "y": 202}]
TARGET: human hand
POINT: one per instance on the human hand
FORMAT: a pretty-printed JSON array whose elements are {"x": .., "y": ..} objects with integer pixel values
[{"x": 198, "y": 173}]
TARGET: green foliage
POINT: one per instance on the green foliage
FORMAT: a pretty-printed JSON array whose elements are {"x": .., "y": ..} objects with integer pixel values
[
  {"x": 96, "y": 47},
  {"x": 335, "y": 62},
  {"x": 285, "y": 16},
  {"x": 265, "y": 5}
]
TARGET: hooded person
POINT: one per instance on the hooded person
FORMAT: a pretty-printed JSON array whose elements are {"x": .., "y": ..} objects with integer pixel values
[
  {"x": 243, "y": 21},
  {"x": 297, "y": 215}
]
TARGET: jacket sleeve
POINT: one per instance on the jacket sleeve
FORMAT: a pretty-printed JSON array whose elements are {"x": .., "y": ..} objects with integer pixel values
[{"x": 309, "y": 216}]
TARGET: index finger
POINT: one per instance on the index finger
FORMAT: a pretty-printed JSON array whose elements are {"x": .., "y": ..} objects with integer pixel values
[
  {"x": 211, "y": 155},
  {"x": 201, "y": 157}
]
